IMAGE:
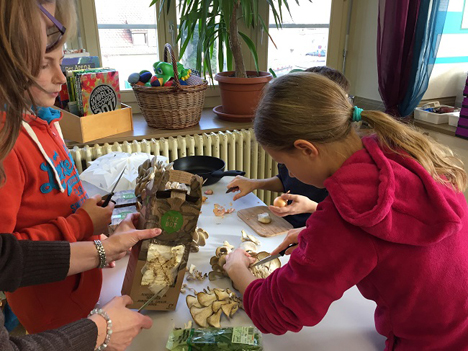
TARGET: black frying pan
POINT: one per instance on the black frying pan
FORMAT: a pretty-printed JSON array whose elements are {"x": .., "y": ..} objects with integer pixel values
[{"x": 208, "y": 167}]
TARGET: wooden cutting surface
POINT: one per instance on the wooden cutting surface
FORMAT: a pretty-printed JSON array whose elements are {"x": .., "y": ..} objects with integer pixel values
[{"x": 277, "y": 225}]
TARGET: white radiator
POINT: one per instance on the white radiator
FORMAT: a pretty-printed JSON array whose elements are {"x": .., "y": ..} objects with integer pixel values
[{"x": 238, "y": 148}]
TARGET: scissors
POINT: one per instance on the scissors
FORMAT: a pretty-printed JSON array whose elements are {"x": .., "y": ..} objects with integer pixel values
[{"x": 109, "y": 196}]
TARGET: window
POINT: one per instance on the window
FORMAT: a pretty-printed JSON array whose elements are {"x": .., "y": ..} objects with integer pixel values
[
  {"x": 303, "y": 40},
  {"x": 129, "y": 36}
]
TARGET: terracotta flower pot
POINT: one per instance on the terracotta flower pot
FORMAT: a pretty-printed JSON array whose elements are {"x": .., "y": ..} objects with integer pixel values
[{"x": 240, "y": 96}]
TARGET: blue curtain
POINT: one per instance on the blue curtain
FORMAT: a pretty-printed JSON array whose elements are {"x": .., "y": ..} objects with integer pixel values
[{"x": 429, "y": 28}]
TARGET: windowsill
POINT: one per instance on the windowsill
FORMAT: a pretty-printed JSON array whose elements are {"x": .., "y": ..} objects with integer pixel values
[
  {"x": 441, "y": 128},
  {"x": 209, "y": 122}
]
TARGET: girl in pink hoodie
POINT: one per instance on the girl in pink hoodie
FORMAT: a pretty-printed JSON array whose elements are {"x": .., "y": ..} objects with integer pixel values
[{"x": 395, "y": 223}]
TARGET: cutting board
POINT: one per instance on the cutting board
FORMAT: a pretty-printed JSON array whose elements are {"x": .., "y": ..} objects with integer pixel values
[{"x": 277, "y": 225}]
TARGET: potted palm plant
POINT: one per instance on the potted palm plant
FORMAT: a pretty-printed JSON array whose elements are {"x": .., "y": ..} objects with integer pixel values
[{"x": 216, "y": 22}]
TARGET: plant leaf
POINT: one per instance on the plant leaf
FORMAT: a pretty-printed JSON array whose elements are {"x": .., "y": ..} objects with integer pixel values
[{"x": 252, "y": 49}]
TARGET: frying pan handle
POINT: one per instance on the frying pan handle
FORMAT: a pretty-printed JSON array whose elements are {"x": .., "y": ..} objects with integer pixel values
[{"x": 220, "y": 174}]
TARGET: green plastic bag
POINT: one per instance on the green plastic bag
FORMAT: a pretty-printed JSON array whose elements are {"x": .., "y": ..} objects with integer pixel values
[{"x": 213, "y": 339}]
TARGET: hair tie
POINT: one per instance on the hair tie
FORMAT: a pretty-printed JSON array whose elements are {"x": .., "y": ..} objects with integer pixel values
[{"x": 357, "y": 114}]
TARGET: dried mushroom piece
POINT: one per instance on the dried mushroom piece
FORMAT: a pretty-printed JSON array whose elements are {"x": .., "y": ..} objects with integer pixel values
[
  {"x": 194, "y": 274},
  {"x": 162, "y": 266},
  {"x": 208, "y": 306},
  {"x": 264, "y": 270},
  {"x": 248, "y": 237}
]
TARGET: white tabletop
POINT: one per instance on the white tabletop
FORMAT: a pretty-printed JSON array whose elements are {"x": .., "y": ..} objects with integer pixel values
[{"x": 348, "y": 325}]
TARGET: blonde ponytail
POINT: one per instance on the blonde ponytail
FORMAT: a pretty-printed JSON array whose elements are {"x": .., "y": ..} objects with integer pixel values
[
  {"x": 436, "y": 158},
  {"x": 309, "y": 106}
]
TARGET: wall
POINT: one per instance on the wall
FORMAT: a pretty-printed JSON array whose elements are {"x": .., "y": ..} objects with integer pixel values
[
  {"x": 361, "y": 61},
  {"x": 448, "y": 75}
]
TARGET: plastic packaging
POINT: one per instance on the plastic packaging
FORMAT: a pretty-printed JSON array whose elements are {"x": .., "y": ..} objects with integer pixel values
[{"x": 214, "y": 339}]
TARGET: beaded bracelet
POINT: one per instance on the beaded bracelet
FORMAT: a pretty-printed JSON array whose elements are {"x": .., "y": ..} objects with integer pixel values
[
  {"x": 104, "y": 315},
  {"x": 101, "y": 253}
]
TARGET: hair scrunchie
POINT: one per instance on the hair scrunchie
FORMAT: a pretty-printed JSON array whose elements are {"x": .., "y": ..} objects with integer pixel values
[{"x": 357, "y": 114}]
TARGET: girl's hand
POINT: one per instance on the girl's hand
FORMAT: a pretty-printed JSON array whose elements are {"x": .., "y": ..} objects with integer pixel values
[
  {"x": 244, "y": 185},
  {"x": 100, "y": 216},
  {"x": 291, "y": 238},
  {"x": 237, "y": 259},
  {"x": 126, "y": 236},
  {"x": 126, "y": 324},
  {"x": 300, "y": 204}
]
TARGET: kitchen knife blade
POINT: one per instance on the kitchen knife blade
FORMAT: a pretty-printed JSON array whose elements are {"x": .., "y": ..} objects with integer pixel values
[{"x": 272, "y": 257}]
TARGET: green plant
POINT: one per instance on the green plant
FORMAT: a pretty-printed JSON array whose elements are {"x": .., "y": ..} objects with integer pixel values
[{"x": 216, "y": 21}]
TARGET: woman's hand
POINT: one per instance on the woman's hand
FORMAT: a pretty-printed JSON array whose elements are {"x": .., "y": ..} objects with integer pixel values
[
  {"x": 300, "y": 204},
  {"x": 126, "y": 324},
  {"x": 237, "y": 267},
  {"x": 126, "y": 236},
  {"x": 244, "y": 186},
  {"x": 100, "y": 216},
  {"x": 237, "y": 259},
  {"x": 291, "y": 238}
]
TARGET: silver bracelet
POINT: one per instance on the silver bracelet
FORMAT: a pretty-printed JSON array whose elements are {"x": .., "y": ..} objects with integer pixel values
[
  {"x": 101, "y": 253},
  {"x": 104, "y": 315}
]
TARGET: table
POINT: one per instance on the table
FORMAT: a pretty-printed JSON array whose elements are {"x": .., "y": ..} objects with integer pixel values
[{"x": 348, "y": 325}]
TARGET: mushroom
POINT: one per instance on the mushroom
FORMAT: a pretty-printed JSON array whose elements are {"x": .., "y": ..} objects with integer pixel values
[
  {"x": 199, "y": 237},
  {"x": 206, "y": 299},
  {"x": 248, "y": 237},
  {"x": 248, "y": 246},
  {"x": 200, "y": 315},
  {"x": 214, "y": 319},
  {"x": 194, "y": 274},
  {"x": 208, "y": 306}
]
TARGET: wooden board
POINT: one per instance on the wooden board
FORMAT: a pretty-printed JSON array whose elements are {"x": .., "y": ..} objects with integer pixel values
[{"x": 277, "y": 225}]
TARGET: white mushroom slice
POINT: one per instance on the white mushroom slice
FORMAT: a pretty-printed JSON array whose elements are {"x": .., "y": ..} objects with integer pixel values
[
  {"x": 216, "y": 306},
  {"x": 222, "y": 294},
  {"x": 264, "y": 218},
  {"x": 192, "y": 301}
]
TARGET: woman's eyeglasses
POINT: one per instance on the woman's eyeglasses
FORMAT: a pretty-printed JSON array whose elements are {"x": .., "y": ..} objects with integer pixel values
[{"x": 54, "y": 34}]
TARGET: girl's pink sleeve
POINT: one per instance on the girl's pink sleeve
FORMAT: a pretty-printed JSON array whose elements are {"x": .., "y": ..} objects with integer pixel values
[{"x": 332, "y": 256}]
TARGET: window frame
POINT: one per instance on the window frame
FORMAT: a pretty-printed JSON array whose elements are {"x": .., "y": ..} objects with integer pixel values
[{"x": 167, "y": 33}]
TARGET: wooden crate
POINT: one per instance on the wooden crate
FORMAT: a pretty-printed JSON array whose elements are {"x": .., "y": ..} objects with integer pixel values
[{"x": 88, "y": 128}]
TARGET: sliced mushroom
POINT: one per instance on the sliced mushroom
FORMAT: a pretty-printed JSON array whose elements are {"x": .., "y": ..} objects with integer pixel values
[
  {"x": 216, "y": 306},
  {"x": 248, "y": 237},
  {"x": 192, "y": 301},
  {"x": 214, "y": 319},
  {"x": 200, "y": 315},
  {"x": 228, "y": 308},
  {"x": 248, "y": 246},
  {"x": 206, "y": 299},
  {"x": 222, "y": 294}
]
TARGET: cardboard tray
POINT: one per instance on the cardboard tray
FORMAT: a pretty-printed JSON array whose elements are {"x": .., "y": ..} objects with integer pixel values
[{"x": 88, "y": 128}]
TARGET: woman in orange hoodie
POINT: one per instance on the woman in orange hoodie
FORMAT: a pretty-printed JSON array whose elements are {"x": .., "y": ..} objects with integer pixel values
[{"x": 43, "y": 199}]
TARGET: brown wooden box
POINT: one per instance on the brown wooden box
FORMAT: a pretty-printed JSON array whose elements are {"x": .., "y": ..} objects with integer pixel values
[{"x": 88, "y": 128}]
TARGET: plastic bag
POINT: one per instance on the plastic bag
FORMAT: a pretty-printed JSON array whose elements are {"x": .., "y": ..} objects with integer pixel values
[
  {"x": 215, "y": 339},
  {"x": 105, "y": 170}
]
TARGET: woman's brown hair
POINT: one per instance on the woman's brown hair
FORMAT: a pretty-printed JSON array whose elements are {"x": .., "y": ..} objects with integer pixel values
[
  {"x": 21, "y": 55},
  {"x": 310, "y": 106}
]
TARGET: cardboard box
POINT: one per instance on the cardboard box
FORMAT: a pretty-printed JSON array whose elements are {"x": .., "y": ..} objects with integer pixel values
[
  {"x": 174, "y": 211},
  {"x": 88, "y": 128}
]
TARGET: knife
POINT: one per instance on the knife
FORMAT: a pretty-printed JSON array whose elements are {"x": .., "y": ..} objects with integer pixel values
[
  {"x": 109, "y": 196},
  {"x": 234, "y": 188},
  {"x": 272, "y": 257}
]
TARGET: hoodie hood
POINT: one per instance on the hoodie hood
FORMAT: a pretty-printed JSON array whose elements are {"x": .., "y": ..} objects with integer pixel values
[
  {"x": 45, "y": 116},
  {"x": 394, "y": 198}
]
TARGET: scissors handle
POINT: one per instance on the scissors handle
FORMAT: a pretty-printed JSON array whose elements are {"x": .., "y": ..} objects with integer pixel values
[{"x": 107, "y": 200}]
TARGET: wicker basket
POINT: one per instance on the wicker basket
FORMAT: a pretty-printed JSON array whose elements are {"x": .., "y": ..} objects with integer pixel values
[{"x": 174, "y": 107}]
